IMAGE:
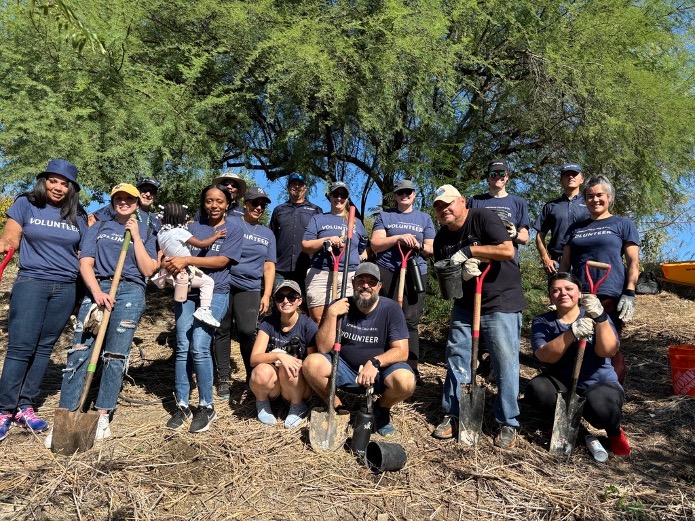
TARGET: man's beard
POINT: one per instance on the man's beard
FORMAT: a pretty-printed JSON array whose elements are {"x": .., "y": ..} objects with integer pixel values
[{"x": 366, "y": 303}]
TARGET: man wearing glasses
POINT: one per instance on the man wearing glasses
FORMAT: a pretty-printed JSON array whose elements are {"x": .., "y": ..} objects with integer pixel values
[
  {"x": 513, "y": 210},
  {"x": 236, "y": 186},
  {"x": 288, "y": 222},
  {"x": 558, "y": 214},
  {"x": 374, "y": 348},
  {"x": 148, "y": 188},
  {"x": 466, "y": 237}
]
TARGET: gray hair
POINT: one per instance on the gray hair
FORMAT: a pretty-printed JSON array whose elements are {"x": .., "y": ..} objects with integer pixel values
[{"x": 605, "y": 182}]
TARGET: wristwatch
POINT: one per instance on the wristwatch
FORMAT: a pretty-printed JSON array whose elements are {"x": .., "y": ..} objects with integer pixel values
[{"x": 375, "y": 362}]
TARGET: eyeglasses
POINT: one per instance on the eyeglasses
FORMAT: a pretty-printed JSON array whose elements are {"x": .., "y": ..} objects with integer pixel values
[
  {"x": 258, "y": 202},
  {"x": 340, "y": 195},
  {"x": 496, "y": 173},
  {"x": 371, "y": 282},
  {"x": 291, "y": 297},
  {"x": 406, "y": 191},
  {"x": 232, "y": 184}
]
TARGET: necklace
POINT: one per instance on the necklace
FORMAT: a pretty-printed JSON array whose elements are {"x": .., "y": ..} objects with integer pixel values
[
  {"x": 293, "y": 320},
  {"x": 251, "y": 231}
]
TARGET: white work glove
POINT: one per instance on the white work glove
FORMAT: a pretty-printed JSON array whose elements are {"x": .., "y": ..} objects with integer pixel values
[
  {"x": 592, "y": 305},
  {"x": 511, "y": 229},
  {"x": 471, "y": 269},
  {"x": 93, "y": 318},
  {"x": 461, "y": 256},
  {"x": 582, "y": 328},
  {"x": 626, "y": 305}
]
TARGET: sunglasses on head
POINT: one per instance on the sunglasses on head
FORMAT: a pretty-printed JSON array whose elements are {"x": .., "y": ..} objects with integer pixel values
[
  {"x": 291, "y": 297},
  {"x": 258, "y": 202},
  {"x": 405, "y": 191},
  {"x": 341, "y": 195},
  {"x": 496, "y": 173}
]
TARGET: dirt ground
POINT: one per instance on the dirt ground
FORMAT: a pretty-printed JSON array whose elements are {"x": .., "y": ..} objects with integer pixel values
[{"x": 243, "y": 470}]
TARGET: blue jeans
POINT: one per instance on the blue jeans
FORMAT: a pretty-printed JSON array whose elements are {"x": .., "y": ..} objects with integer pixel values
[
  {"x": 39, "y": 310},
  {"x": 194, "y": 338},
  {"x": 129, "y": 307},
  {"x": 501, "y": 333}
]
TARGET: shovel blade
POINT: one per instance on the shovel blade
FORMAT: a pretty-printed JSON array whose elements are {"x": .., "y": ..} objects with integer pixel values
[
  {"x": 73, "y": 431},
  {"x": 565, "y": 425},
  {"x": 328, "y": 432},
  {"x": 471, "y": 408}
]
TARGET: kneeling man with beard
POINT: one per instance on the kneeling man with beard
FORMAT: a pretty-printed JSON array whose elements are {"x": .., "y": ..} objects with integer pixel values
[{"x": 374, "y": 348}]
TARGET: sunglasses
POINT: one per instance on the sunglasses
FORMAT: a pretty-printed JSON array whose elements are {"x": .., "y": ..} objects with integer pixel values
[
  {"x": 405, "y": 191},
  {"x": 340, "y": 195},
  {"x": 291, "y": 297},
  {"x": 496, "y": 173},
  {"x": 151, "y": 191},
  {"x": 371, "y": 282},
  {"x": 258, "y": 202},
  {"x": 233, "y": 184}
]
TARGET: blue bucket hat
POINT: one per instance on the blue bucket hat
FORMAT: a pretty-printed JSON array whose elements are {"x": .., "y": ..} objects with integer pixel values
[{"x": 64, "y": 168}]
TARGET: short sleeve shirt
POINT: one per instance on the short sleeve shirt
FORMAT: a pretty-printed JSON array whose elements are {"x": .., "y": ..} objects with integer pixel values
[
  {"x": 502, "y": 290},
  {"x": 601, "y": 240},
  {"x": 508, "y": 208},
  {"x": 228, "y": 246},
  {"x": 366, "y": 336},
  {"x": 103, "y": 243},
  {"x": 595, "y": 369},
  {"x": 172, "y": 241},
  {"x": 556, "y": 216},
  {"x": 49, "y": 245},
  {"x": 394, "y": 222},
  {"x": 328, "y": 225},
  {"x": 305, "y": 330},
  {"x": 258, "y": 247},
  {"x": 106, "y": 213},
  {"x": 288, "y": 222}
]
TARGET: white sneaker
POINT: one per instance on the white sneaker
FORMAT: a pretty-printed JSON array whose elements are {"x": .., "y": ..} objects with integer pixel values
[
  {"x": 204, "y": 315},
  {"x": 103, "y": 428}
]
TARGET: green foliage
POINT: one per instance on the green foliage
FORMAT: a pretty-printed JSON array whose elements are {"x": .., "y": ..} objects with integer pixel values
[{"x": 5, "y": 203}]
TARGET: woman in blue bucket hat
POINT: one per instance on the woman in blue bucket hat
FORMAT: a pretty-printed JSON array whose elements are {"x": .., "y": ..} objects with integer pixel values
[{"x": 46, "y": 224}]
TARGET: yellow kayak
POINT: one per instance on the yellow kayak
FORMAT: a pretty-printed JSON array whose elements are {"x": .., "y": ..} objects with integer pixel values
[{"x": 679, "y": 272}]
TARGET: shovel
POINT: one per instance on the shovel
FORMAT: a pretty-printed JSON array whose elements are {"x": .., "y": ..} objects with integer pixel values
[
  {"x": 568, "y": 411},
  {"x": 6, "y": 260},
  {"x": 401, "y": 276},
  {"x": 327, "y": 428},
  {"x": 472, "y": 402},
  {"x": 73, "y": 431}
]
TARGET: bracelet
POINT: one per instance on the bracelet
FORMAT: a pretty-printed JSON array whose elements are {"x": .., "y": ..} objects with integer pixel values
[{"x": 629, "y": 292}]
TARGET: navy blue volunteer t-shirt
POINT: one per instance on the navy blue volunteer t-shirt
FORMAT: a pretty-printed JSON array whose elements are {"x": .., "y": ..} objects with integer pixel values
[
  {"x": 305, "y": 329},
  {"x": 366, "y": 336},
  {"x": 258, "y": 247},
  {"x": 394, "y": 222},
  {"x": 106, "y": 213},
  {"x": 228, "y": 246},
  {"x": 329, "y": 225},
  {"x": 49, "y": 245}
]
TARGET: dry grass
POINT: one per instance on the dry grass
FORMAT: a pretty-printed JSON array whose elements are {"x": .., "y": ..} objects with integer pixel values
[{"x": 242, "y": 470}]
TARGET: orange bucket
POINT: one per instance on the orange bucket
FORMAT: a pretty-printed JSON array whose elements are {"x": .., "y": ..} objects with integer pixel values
[{"x": 682, "y": 359}]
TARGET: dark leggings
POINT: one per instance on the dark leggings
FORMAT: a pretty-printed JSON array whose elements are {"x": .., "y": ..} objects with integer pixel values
[
  {"x": 603, "y": 407},
  {"x": 618, "y": 360},
  {"x": 243, "y": 306},
  {"x": 413, "y": 305}
]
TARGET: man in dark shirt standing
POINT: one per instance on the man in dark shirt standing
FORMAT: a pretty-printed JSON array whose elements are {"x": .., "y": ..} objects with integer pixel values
[
  {"x": 466, "y": 237},
  {"x": 288, "y": 223},
  {"x": 558, "y": 214}
]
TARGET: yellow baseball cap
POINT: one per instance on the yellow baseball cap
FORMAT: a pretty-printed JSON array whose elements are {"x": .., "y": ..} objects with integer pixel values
[{"x": 125, "y": 187}]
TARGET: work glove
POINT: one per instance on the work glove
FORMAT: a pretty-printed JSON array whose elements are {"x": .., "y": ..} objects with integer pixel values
[
  {"x": 511, "y": 229},
  {"x": 93, "y": 319},
  {"x": 471, "y": 269},
  {"x": 592, "y": 305},
  {"x": 582, "y": 328},
  {"x": 626, "y": 305},
  {"x": 461, "y": 256}
]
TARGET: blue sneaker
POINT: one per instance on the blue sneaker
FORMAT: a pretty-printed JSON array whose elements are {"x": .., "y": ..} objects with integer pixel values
[
  {"x": 27, "y": 418},
  {"x": 5, "y": 425}
]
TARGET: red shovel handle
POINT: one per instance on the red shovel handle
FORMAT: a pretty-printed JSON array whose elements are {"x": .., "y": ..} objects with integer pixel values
[
  {"x": 593, "y": 286},
  {"x": 6, "y": 260}
]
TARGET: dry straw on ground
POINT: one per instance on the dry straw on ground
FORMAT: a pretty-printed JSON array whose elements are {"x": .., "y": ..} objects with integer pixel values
[{"x": 243, "y": 470}]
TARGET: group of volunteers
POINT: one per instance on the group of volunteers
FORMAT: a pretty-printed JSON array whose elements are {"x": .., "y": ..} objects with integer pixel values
[{"x": 227, "y": 267}]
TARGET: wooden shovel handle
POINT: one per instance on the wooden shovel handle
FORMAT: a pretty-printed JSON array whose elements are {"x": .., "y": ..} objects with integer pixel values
[{"x": 103, "y": 326}]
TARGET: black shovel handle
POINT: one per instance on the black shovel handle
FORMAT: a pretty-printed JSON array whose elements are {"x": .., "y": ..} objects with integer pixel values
[{"x": 339, "y": 321}]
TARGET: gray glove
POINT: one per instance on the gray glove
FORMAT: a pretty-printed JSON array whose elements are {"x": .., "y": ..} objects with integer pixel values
[
  {"x": 459, "y": 257},
  {"x": 471, "y": 269},
  {"x": 511, "y": 229},
  {"x": 582, "y": 328},
  {"x": 626, "y": 306},
  {"x": 592, "y": 305}
]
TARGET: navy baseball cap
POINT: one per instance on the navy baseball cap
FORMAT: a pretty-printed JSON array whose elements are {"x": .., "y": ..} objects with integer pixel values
[
  {"x": 256, "y": 192},
  {"x": 64, "y": 168},
  {"x": 147, "y": 181},
  {"x": 571, "y": 167},
  {"x": 296, "y": 177},
  {"x": 336, "y": 186},
  {"x": 497, "y": 165}
]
